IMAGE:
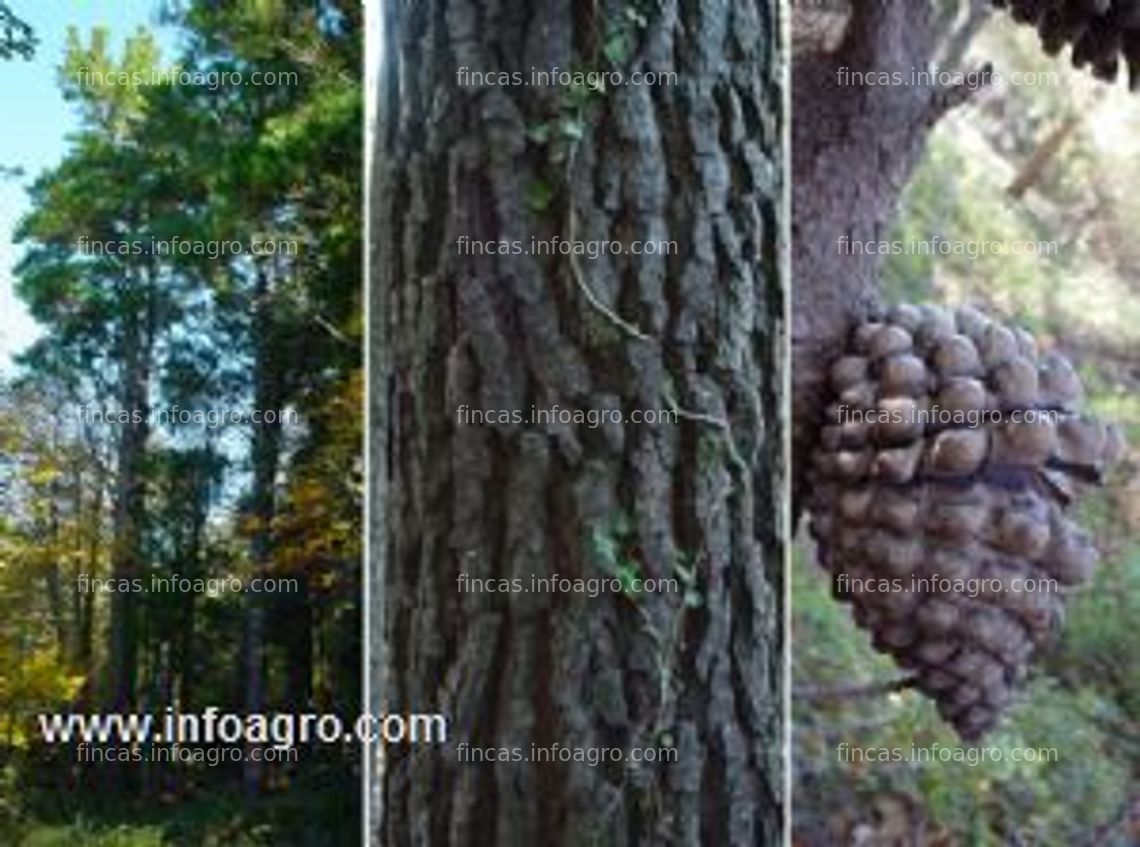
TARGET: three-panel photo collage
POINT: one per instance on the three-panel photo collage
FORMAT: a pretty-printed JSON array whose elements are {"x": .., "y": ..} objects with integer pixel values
[{"x": 569, "y": 423}]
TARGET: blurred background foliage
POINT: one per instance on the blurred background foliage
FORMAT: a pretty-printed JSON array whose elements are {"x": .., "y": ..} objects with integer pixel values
[{"x": 1057, "y": 161}]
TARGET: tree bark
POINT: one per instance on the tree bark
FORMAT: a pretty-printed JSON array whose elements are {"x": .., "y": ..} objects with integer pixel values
[
  {"x": 698, "y": 162},
  {"x": 854, "y": 147}
]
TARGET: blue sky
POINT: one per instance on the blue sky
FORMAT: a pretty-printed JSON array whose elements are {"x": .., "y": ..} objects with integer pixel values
[{"x": 38, "y": 122}]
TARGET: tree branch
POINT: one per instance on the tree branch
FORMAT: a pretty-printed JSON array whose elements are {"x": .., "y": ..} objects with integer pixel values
[
  {"x": 855, "y": 692},
  {"x": 952, "y": 96},
  {"x": 959, "y": 41}
]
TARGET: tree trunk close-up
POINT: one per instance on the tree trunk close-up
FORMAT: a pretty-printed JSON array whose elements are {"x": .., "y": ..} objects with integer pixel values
[{"x": 696, "y": 335}]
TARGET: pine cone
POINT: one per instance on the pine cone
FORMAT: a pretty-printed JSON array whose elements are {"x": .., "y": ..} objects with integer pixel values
[
  {"x": 1099, "y": 31},
  {"x": 937, "y": 501}
]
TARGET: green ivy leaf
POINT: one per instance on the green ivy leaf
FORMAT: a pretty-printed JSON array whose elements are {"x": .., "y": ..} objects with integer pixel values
[
  {"x": 539, "y": 195},
  {"x": 572, "y": 129},
  {"x": 617, "y": 48},
  {"x": 539, "y": 133}
]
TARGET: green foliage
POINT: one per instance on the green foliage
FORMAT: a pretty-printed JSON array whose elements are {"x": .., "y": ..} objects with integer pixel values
[
  {"x": 685, "y": 570},
  {"x": 16, "y": 37},
  {"x": 956, "y": 198},
  {"x": 81, "y": 835},
  {"x": 318, "y": 814},
  {"x": 614, "y": 552},
  {"x": 623, "y": 31}
]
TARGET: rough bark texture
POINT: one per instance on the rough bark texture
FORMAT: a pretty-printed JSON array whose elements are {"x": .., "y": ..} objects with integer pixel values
[
  {"x": 854, "y": 148},
  {"x": 698, "y": 162}
]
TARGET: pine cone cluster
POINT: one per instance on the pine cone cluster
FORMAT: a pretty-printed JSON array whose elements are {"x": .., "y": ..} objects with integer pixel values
[
  {"x": 1099, "y": 31},
  {"x": 938, "y": 499}
]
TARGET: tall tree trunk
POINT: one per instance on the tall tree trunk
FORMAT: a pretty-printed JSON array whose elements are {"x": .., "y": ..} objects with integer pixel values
[
  {"x": 85, "y": 601},
  {"x": 266, "y": 451},
  {"x": 699, "y": 162},
  {"x": 185, "y": 650},
  {"x": 54, "y": 584},
  {"x": 74, "y": 604},
  {"x": 295, "y": 636},
  {"x": 129, "y": 504}
]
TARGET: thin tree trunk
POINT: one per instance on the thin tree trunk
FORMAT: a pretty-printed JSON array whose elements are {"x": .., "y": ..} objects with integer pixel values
[
  {"x": 85, "y": 602},
  {"x": 697, "y": 162},
  {"x": 297, "y": 636},
  {"x": 263, "y": 505},
  {"x": 185, "y": 650},
  {"x": 52, "y": 579}
]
